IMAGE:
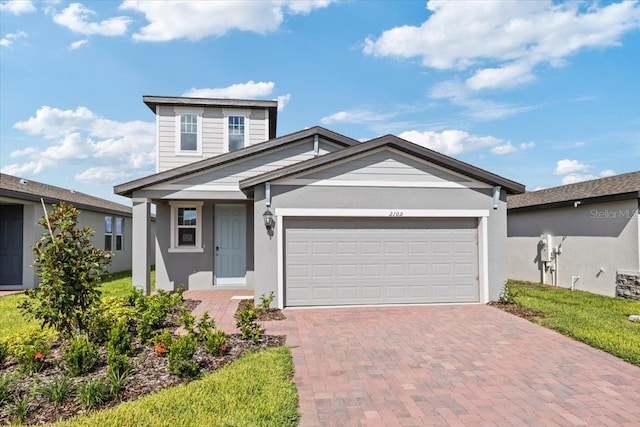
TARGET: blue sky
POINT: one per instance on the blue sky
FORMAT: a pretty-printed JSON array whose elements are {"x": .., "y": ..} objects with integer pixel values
[{"x": 540, "y": 92}]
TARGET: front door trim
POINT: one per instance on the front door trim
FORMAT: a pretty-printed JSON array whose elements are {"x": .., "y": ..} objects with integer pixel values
[{"x": 221, "y": 276}]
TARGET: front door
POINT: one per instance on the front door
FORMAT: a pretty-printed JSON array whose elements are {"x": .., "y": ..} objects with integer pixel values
[
  {"x": 230, "y": 244},
  {"x": 10, "y": 245}
]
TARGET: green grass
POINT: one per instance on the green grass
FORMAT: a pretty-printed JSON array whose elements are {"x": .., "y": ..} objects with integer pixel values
[
  {"x": 256, "y": 390},
  {"x": 12, "y": 321},
  {"x": 599, "y": 321}
]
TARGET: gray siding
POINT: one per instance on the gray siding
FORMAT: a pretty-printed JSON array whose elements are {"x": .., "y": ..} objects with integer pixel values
[
  {"x": 592, "y": 237},
  {"x": 392, "y": 198},
  {"x": 227, "y": 176},
  {"x": 213, "y": 131},
  {"x": 385, "y": 166}
]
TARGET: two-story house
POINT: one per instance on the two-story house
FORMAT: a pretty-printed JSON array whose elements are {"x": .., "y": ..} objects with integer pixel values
[{"x": 317, "y": 217}]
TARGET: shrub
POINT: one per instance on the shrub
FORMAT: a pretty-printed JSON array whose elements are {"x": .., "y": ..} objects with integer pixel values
[
  {"x": 187, "y": 320},
  {"x": 30, "y": 350},
  {"x": 152, "y": 311},
  {"x": 265, "y": 301},
  {"x": 215, "y": 343},
  {"x": 507, "y": 295},
  {"x": 119, "y": 364},
  {"x": 119, "y": 339},
  {"x": 104, "y": 315},
  {"x": 117, "y": 381},
  {"x": 145, "y": 327},
  {"x": 3, "y": 352},
  {"x": 162, "y": 342},
  {"x": 6, "y": 388},
  {"x": 69, "y": 268},
  {"x": 181, "y": 357},
  {"x": 247, "y": 321},
  {"x": 21, "y": 408},
  {"x": 92, "y": 393},
  {"x": 57, "y": 390},
  {"x": 81, "y": 356}
]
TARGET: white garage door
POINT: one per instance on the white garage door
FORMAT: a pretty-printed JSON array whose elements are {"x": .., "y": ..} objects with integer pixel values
[{"x": 341, "y": 261}]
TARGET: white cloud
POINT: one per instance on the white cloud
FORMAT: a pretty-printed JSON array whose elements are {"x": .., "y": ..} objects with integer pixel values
[
  {"x": 450, "y": 141},
  {"x": 283, "y": 100},
  {"x": 78, "y": 44},
  {"x": 567, "y": 166},
  {"x": 504, "y": 149},
  {"x": 10, "y": 38},
  {"x": 247, "y": 90},
  {"x": 502, "y": 42},
  {"x": 76, "y": 17},
  {"x": 195, "y": 20},
  {"x": 527, "y": 145},
  {"x": 355, "y": 116},
  {"x": 574, "y": 171},
  {"x": 17, "y": 7},
  {"x": 102, "y": 174},
  {"x": 81, "y": 135}
]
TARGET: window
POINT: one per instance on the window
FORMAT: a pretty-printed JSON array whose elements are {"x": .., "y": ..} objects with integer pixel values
[
  {"x": 188, "y": 132},
  {"x": 236, "y": 132},
  {"x": 119, "y": 233},
  {"x": 108, "y": 233},
  {"x": 186, "y": 220}
]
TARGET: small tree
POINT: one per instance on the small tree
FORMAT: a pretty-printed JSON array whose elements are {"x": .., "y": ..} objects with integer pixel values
[{"x": 69, "y": 268}]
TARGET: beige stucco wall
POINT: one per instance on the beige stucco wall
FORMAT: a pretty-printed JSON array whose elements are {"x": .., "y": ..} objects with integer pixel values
[{"x": 595, "y": 241}]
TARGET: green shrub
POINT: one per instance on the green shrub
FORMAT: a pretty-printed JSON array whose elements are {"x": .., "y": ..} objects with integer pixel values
[
  {"x": 119, "y": 364},
  {"x": 215, "y": 343},
  {"x": 507, "y": 295},
  {"x": 80, "y": 356},
  {"x": 92, "y": 393},
  {"x": 117, "y": 381},
  {"x": 6, "y": 388},
  {"x": 181, "y": 354},
  {"x": 152, "y": 311},
  {"x": 265, "y": 301},
  {"x": 247, "y": 321},
  {"x": 20, "y": 408},
  {"x": 187, "y": 320},
  {"x": 162, "y": 342},
  {"x": 30, "y": 349},
  {"x": 70, "y": 270},
  {"x": 119, "y": 339},
  {"x": 103, "y": 316},
  {"x": 3, "y": 352},
  {"x": 57, "y": 390}
]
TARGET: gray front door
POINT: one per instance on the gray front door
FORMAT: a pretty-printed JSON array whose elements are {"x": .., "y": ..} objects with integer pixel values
[
  {"x": 230, "y": 244},
  {"x": 11, "y": 245},
  {"x": 340, "y": 261}
]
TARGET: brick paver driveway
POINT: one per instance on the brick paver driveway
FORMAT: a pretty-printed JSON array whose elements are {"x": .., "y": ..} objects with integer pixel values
[{"x": 451, "y": 365}]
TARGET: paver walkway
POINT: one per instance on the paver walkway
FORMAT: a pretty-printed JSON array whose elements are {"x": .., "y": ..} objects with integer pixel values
[{"x": 469, "y": 365}]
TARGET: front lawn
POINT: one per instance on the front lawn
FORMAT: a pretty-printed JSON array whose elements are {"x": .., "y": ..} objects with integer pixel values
[
  {"x": 599, "y": 321},
  {"x": 256, "y": 390}
]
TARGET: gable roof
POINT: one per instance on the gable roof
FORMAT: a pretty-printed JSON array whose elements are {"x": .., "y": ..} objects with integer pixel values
[
  {"x": 181, "y": 101},
  {"x": 126, "y": 189},
  {"x": 410, "y": 148},
  {"x": 619, "y": 187},
  {"x": 22, "y": 189}
]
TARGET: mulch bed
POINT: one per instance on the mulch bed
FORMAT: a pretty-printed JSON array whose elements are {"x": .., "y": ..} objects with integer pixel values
[
  {"x": 150, "y": 373},
  {"x": 263, "y": 315},
  {"x": 517, "y": 310}
]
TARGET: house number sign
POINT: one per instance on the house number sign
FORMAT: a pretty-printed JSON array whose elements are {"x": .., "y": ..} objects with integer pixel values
[{"x": 396, "y": 213}]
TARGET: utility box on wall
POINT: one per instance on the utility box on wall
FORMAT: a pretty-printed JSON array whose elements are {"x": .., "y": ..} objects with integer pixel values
[{"x": 546, "y": 247}]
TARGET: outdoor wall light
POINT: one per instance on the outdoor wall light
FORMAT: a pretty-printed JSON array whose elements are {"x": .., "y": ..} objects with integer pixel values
[{"x": 269, "y": 222}]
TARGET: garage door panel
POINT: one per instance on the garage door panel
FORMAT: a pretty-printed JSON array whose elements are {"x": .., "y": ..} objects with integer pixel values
[{"x": 375, "y": 261}]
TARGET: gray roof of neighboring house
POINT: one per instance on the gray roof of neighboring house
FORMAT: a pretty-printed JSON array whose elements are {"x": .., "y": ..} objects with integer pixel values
[
  {"x": 181, "y": 101},
  {"x": 619, "y": 187},
  {"x": 447, "y": 162},
  {"x": 127, "y": 188},
  {"x": 23, "y": 189}
]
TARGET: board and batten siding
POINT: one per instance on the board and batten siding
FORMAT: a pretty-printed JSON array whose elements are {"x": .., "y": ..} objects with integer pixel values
[
  {"x": 226, "y": 177},
  {"x": 213, "y": 135}
]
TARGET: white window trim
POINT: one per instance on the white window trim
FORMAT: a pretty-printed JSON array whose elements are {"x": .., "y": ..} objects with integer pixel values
[
  {"x": 481, "y": 214},
  {"x": 198, "y": 112},
  {"x": 226, "y": 112},
  {"x": 115, "y": 234},
  {"x": 174, "y": 248}
]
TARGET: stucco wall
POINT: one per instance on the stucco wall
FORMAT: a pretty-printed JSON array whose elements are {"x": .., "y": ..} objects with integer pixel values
[
  {"x": 266, "y": 251},
  {"x": 595, "y": 241}
]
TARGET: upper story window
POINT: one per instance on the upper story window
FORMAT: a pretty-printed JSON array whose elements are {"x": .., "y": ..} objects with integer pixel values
[
  {"x": 236, "y": 132},
  {"x": 188, "y": 130}
]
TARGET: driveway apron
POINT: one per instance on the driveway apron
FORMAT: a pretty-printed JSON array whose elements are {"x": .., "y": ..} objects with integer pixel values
[{"x": 450, "y": 365}]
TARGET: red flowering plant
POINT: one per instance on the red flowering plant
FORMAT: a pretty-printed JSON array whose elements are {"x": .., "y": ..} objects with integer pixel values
[
  {"x": 30, "y": 350},
  {"x": 161, "y": 342}
]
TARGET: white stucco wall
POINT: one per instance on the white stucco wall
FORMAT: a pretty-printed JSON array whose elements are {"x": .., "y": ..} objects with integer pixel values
[{"x": 595, "y": 240}]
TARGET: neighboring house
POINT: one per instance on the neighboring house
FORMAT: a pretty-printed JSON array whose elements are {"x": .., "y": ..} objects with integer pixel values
[
  {"x": 584, "y": 235},
  {"x": 314, "y": 216},
  {"x": 21, "y": 209}
]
